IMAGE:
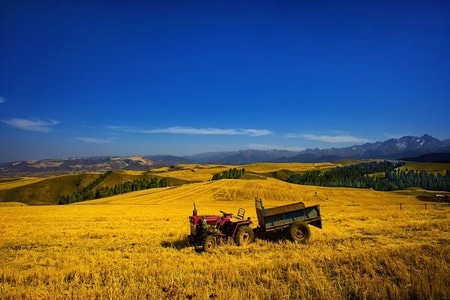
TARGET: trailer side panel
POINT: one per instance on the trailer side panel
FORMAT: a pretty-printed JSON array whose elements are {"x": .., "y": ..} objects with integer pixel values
[{"x": 283, "y": 216}]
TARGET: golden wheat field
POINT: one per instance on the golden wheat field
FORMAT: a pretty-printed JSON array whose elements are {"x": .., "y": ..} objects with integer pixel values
[{"x": 133, "y": 246}]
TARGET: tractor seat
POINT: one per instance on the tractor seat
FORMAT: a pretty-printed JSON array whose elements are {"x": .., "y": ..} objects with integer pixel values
[{"x": 240, "y": 215}]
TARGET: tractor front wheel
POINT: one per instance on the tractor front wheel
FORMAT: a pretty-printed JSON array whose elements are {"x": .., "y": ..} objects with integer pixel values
[
  {"x": 244, "y": 236},
  {"x": 209, "y": 243},
  {"x": 299, "y": 232}
]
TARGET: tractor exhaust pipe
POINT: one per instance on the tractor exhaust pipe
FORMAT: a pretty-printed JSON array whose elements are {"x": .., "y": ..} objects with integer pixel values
[{"x": 194, "y": 212}]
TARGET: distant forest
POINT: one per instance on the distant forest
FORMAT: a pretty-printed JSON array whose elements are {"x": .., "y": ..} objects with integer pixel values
[
  {"x": 367, "y": 175},
  {"x": 230, "y": 174},
  {"x": 89, "y": 193}
]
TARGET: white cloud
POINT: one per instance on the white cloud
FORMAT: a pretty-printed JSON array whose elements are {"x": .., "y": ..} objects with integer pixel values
[
  {"x": 2, "y": 100},
  {"x": 332, "y": 139},
  {"x": 195, "y": 131},
  {"x": 94, "y": 140},
  {"x": 31, "y": 124}
]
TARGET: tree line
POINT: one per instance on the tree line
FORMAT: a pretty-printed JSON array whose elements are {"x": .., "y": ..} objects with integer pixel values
[
  {"x": 83, "y": 193},
  {"x": 130, "y": 186},
  {"x": 362, "y": 176},
  {"x": 89, "y": 192},
  {"x": 229, "y": 174}
]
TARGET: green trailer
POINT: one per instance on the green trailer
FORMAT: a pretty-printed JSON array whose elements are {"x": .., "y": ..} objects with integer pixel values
[{"x": 292, "y": 219}]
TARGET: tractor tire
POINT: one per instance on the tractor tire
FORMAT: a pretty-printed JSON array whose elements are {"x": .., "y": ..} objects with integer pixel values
[
  {"x": 209, "y": 243},
  {"x": 299, "y": 232},
  {"x": 244, "y": 236}
]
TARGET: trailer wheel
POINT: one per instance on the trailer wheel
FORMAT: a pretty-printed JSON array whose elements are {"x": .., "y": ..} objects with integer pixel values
[
  {"x": 244, "y": 236},
  {"x": 209, "y": 243},
  {"x": 299, "y": 232}
]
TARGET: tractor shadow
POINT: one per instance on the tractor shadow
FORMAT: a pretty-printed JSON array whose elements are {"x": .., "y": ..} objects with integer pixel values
[
  {"x": 180, "y": 245},
  {"x": 177, "y": 244},
  {"x": 273, "y": 237}
]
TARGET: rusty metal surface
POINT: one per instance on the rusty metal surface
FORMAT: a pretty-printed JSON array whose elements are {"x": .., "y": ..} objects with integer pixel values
[{"x": 284, "y": 209}]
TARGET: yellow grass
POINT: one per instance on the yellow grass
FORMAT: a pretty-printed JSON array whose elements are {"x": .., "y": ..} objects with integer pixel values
[
  {"x": 4, "y": 204},
  {"x": 429, "y": 167},
  {"x": 133, "y": 246},
  {"x": 6, "y": 183},
  {"x": 270, "y": 167},
  {"x": 193, "y": 172}
]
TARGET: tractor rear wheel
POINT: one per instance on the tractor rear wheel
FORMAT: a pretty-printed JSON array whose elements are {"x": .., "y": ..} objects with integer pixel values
[
  {"x": 299, "y": 232},
  {"x": 244, "y": 236},
  {"x": 209, "y": 243}
]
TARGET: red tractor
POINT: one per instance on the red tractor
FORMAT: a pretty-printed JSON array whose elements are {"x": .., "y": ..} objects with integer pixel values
[{"x": 208, "y": 230}]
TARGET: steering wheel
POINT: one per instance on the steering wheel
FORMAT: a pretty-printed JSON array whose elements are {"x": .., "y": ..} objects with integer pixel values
[{"x": 224, "y": 213}]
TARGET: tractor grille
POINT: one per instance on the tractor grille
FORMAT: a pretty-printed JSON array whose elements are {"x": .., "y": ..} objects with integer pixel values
[{"x": 192, "y": 228}]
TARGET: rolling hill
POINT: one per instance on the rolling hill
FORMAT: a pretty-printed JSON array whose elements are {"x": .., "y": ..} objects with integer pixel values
[
  {"x": 186, "y": 181},
  {"x": 42, "y": 191}
]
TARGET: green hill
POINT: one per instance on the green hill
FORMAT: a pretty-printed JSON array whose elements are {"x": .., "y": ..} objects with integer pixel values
[{"x": 47, "y": 191}]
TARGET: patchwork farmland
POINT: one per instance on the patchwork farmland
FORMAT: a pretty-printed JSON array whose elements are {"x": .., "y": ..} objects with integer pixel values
[{"x": 373, "y": 245}]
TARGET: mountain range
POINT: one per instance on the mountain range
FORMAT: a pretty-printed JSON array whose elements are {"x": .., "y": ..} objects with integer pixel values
[{"x": 425, "y": 148}]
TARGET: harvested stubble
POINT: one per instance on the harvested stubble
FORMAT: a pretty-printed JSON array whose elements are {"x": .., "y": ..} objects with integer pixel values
[{"x": 126, "y": 248}]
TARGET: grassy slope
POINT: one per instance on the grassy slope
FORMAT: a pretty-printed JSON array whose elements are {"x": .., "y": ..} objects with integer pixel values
[
  {"x": 45, "y": 191},
  {"x": 271, "y": 190},
  {"x": 9, "y": 183},
  {"x": 429, "y": 167},
  {"x": 134, "y": 246},
  {"x": 118, "y": 177}
]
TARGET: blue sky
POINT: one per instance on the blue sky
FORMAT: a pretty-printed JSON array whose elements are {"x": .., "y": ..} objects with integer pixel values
[{"x": 90, "y": 78}]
